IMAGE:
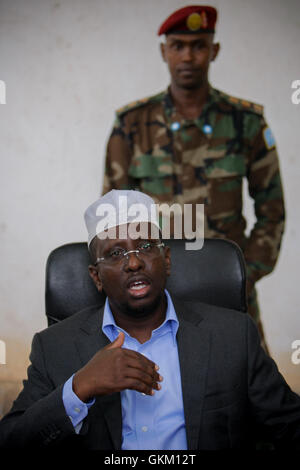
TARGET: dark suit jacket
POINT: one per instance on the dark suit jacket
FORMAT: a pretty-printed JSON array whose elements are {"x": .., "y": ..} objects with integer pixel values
[{"x": 230, "y": 387}]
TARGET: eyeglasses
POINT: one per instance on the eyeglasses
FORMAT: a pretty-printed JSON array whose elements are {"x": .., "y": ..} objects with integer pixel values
[{"x": 144, "y": 250}]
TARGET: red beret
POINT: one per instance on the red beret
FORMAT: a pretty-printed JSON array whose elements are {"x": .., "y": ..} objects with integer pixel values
[{"x": 191, "y": 19}]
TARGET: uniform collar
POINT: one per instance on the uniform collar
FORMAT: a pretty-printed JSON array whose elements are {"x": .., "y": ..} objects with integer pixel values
[{"x": 213, "y": 97}]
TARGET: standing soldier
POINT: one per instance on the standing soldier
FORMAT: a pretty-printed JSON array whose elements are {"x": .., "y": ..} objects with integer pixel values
[{"x": 195, "y": 144}]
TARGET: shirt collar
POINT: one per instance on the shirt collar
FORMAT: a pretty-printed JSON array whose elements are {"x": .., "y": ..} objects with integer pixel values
[{"x": 111, "y": 329}]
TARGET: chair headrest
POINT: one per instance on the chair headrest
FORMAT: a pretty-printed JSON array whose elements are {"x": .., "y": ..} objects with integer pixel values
[{"x": 214, "y": 275}]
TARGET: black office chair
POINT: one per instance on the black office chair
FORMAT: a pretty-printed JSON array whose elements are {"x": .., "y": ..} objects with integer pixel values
[{"x": 215, "y": 275}]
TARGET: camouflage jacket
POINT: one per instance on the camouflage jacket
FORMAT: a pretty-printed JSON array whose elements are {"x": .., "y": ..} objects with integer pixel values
[{"x": 155, "y": 150}]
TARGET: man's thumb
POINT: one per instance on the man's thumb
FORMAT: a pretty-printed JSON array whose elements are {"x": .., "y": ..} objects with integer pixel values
[{"x": 118, "y": 342}]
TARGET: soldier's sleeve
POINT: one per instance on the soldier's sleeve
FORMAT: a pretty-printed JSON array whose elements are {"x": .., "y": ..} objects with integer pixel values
[
  {"x": 117, "y": 160},
  {"x": 265, "y": 188}
]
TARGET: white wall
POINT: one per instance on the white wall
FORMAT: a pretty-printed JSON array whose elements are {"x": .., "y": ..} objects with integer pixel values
[{"x": 67, "y": 66}]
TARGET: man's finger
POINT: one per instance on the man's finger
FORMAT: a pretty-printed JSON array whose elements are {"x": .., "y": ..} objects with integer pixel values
[
  {"x": 143, "y": 360},
  {"x": 138, "y": 386},
  {"x": 151, "y": 381},
  {"x": 118, "y": 342},
  {"x": 148, "y": 371}
]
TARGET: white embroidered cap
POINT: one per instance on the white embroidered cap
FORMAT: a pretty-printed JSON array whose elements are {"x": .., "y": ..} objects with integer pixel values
[{"x": 119, "y": 207}]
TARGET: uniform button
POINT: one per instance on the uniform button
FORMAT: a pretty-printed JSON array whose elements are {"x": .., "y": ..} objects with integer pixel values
[
  {"x": 144, "y": 428},
  {"x": 77, "y": 410},
  {"x": 207, "y": 129},
  {"x": 175, "y": 126}
]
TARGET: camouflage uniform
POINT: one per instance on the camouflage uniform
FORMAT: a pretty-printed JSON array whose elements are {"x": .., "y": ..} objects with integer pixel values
[{"x": 153, "y": 149}]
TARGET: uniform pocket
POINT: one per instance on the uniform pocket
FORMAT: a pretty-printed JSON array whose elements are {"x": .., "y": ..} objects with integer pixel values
[
  {"x": 154, "y": 173},
  {"x": 224, "y": 180},
  {"x": 151, "y": 166},
  {"x": 228, "y": 166}
]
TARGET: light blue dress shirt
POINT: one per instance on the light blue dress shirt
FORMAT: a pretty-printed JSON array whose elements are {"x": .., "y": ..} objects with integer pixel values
[{"x": 149, "y": 422}]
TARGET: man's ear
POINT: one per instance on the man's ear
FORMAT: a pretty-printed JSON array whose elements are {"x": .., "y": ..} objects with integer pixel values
[
  {"x": 163, "y": 51},
  {"x": 93, "y": 272},
  {"x": 215, "y": 51}
]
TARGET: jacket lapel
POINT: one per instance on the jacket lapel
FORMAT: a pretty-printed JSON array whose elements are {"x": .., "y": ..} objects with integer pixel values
[
  {"x": 194, "y": 351},
  {"x": 90, "y": 338},
  {"x": 89, "y": 341}
]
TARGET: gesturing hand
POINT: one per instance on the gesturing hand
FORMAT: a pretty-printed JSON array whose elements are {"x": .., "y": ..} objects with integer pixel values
[{"x": 113, "y": 369}]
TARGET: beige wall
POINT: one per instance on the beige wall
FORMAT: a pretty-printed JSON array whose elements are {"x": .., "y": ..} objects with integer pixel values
[{"x": 67, "y": 66}]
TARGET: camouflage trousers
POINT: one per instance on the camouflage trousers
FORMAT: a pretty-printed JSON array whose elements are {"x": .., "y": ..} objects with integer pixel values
[{"x": 254, "y": 312}]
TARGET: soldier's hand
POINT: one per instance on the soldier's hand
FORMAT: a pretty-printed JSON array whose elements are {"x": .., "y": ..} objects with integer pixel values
[{"x": 114, "y": 369}]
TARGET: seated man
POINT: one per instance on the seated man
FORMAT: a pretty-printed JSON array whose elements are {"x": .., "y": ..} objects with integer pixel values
[{"x": 146, "y": 371}]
